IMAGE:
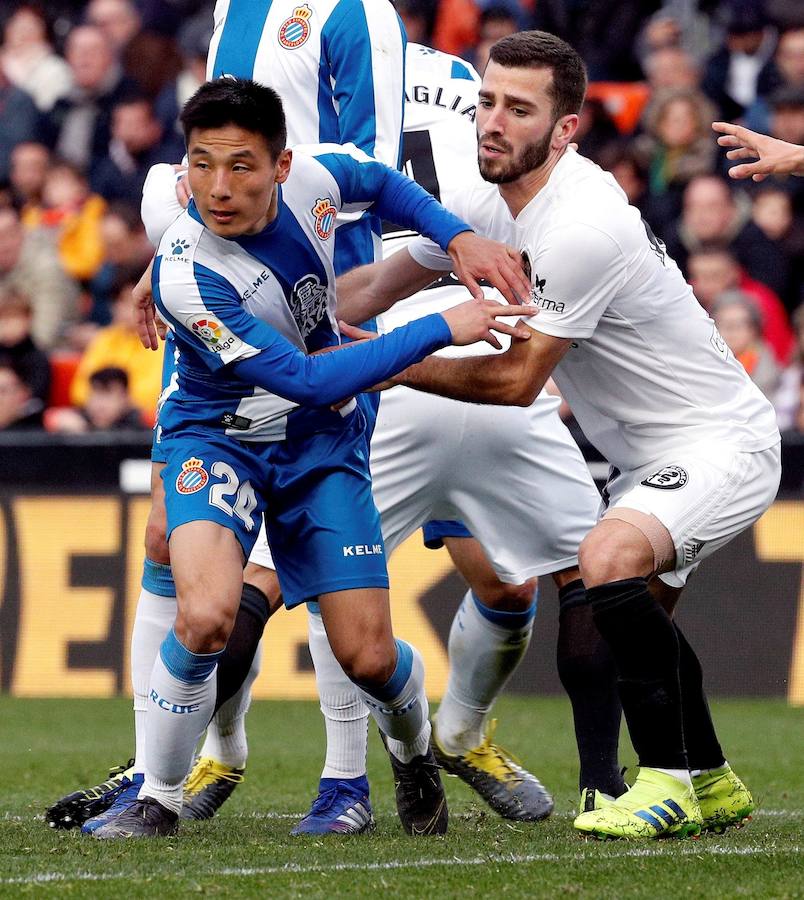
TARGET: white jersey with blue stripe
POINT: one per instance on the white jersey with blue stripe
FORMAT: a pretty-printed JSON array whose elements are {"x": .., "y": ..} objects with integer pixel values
[
  {"x": 338, "y": 66},
  {"x": 226, "y": 300}
]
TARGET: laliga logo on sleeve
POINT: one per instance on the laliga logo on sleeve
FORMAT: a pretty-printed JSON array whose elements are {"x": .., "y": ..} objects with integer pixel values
[
  {"x": 193, "y": 476},
  {"x": 295, "y": 30},
  {"x": 208, "y": 330},
  {"x": 216, "y": 336},
  {"x": 324, "y": 213}
]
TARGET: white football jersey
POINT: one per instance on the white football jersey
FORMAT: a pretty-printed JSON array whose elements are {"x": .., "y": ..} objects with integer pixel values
[
  {"x": 647, "y": 371},
  {"x": 439, "y": 151}
]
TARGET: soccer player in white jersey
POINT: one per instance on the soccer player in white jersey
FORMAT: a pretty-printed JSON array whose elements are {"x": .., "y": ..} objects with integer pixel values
[
  {"x": 245, "y": 278},
  {"x": 414, "y": 478},
  {"x": 340, "y": 63},
  {"x": 693, "y": 444}
]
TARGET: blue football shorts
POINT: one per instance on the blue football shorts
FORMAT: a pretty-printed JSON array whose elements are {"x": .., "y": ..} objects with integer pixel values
[
  {"x": 314, "y": 491},
  {"x": 434, "y": 532}
]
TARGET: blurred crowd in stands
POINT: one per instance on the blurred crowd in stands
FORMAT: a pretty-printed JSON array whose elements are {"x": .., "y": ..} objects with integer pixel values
[{"x": 89, "y": 97}]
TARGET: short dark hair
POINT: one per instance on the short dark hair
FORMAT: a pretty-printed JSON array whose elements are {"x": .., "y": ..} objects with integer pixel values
[
  {"x": 108, "y": 376},
  {"x": 241, "y": 102},
  {"x": 542, "y": 50}
]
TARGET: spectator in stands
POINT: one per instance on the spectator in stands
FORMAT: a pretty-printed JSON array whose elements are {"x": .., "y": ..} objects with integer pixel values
[
  {"x": 149, "y": 59},
  {"x": 19, "y": 409},
  {"x": 79, "y": 125},
  {"x": 773, "y": 213},
  {"x": 29, "y": 263},
  {"x": 734, "y": 75},
  {"x": 417, "y": 16},
  {"x": 740, "y": 324},
  {"x": 72, "y": 214},
  {"x": 495, "y": 22},
  {"x": 29, "y": 61},
  {"x": 789, "y": 398},
  {"x": 125, "y": 246},
  {"x": 21, "y": 122},
  {"x": 714, "y": 271},
  {"x": 676, "y": 144},
  {"x": 785, "y": 70},
  {"x": 596, "y": 128},
  {"x": 136, "y": 145},
  {"x": 671, "y": 67},
  {"x": 107, "y": 406},
  {"x": 30, "y": 163},
  {"x": 455, "y": 28},
  {"x": 712, "y": 216},
  {"x": 17, "y": 344},
  {"x": 194, "y": 44},
  {"x": 603, "y": 33},
  {"x": 118, "y": 345}
]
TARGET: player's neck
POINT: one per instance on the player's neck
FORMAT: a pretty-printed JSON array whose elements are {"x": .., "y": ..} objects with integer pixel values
[{"x": 517, "y": 194}]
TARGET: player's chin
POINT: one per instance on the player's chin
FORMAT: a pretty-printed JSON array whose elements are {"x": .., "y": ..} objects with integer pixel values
[{"x": 493, "y": 170}]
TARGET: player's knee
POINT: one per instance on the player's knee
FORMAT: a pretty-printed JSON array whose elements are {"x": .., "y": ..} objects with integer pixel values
[
  {"x": 508, "y": 597},
  {"x": 371, "y": 664},
  {"x": 612, "y": 554},
  {"x": 204, "y": 628}
]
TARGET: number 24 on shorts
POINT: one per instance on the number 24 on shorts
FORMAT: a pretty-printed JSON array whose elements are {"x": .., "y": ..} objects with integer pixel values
[{"x": 245, "y": 500}]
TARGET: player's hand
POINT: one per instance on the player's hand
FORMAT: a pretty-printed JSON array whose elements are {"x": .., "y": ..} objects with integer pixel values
[
  {"x": 773, "y": 157},
  {"x": 476, "y": 319},
  {"x": 475, "y": 258},
  {"x": 183, "y": 192},
  {"x": 144, "y": 311}
]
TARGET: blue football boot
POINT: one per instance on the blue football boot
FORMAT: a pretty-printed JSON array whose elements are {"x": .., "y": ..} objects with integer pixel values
[
  {"x": 341, "y": 807},
  {"x": 126, "y": 796}
]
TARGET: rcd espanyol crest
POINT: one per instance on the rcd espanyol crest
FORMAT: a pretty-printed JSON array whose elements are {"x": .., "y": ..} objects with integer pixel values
[
  {"x": 324, "y": 213},
  {"x": 193, "y": 476},
  {"x": 295, "y": 30}
]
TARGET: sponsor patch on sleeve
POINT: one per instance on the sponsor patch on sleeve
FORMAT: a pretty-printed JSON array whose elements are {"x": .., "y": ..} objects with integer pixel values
[{"x": 214, "y": 334}]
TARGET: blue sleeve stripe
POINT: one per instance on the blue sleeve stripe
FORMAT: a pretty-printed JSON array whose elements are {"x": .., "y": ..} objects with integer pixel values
[
  {"x": 240, "y": 39},
  {"x": 459, "y": 70},
  {"x": 346, "y": 53}
]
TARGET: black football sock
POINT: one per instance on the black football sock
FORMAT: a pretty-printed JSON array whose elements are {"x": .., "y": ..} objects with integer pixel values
[
  {"x": 703, "y": 748},
  {"x": 644, "y": 645},
  {"x": 235, "y": 662},
  {"x": 586, "y": 669}
]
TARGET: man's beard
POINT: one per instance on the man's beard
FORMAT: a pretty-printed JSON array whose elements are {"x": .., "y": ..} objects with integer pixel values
[{"x": 530, "y": 157}]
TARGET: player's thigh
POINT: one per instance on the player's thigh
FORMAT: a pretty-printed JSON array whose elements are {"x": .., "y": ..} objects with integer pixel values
[
  {"x": 704, "y": 496},
  {"x": 156, "y": 546},
  {"x": 523, "y": 489},
  {"x": 471, "y": 561},
  {"x": 323, "y": 527},
  {"x": 213, "y": 479},
  {"x": 260, "y": 571},
  {"x": 414, "y": 442}
]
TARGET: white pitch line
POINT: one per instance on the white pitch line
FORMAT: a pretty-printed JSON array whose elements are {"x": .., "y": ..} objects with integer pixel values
[
  {"x": 467, "y": 816},
  {"x": 397, "y": 864}
]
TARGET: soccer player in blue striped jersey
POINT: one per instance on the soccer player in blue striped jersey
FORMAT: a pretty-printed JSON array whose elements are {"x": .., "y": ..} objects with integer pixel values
[{"x": 248, "y": 429}]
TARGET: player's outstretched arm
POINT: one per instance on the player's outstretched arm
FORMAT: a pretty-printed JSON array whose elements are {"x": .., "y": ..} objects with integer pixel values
[
  {"x": 144, "y": 310},
  {"x": 367, "y": 291},
  {"x": 513, "y": 378},
  {"x": 772, "y": 156}
]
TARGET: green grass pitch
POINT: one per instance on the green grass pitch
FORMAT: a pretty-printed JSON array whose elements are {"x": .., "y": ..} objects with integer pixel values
[{"x": 49, "y": 747}]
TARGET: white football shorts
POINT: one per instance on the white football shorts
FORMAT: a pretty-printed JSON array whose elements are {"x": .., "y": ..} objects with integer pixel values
[
  {"x": 704, "y": 496},
  {"x": 513, "y": 475}
]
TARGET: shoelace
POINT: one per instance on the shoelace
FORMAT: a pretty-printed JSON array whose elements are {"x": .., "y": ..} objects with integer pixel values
[
  {"x": 323, "y": 802},
  {"x": 204, "y": 774},
  {"x": 496, "y": 760}
]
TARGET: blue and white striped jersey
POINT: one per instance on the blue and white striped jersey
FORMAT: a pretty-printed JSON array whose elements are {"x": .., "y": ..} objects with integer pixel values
[
  {"x": 338, "y": 66},
  {"x": 272, "y": 295}
]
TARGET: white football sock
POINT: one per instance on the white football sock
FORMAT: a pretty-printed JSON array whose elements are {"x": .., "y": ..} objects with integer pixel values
[
  {"x": 226, "y": 736},
  {"x": 155, "y": 615},
  {"x": 345, "y": 713},
  {"x": 400, "y": 707},
  {"x": 485, "y": 646},
  {"x": 181, "y": 701}
]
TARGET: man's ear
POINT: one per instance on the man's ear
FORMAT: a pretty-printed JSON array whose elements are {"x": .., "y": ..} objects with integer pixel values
[
  {"x": 564, "y": 130},
  {"x": 283, "y": 166}
]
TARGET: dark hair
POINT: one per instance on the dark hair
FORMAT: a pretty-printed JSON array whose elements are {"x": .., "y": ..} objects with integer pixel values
[
  {"x": 241, "y": 102},
  {"x": 541, "y": 50},
  {"x": 108, "y": 376}
]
